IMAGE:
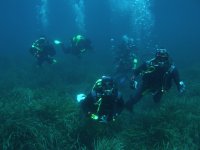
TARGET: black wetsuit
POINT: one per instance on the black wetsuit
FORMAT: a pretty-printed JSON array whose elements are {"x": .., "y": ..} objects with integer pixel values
[
  {"x": 109, "y": 106},
  {"x": 43, "y": 53},
  {"x": 77, "y": 48},
  {"x": 157, "y": 78}
]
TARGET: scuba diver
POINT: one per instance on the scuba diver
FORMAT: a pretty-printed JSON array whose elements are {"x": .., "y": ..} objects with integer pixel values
[
  {"x": 104, "y": 103},
  {"x": 43, "y": 51},
  {"x": 125, "y": 59},
  {"x": 156, "y": 75},
  {"x": 78, "y": 45}
]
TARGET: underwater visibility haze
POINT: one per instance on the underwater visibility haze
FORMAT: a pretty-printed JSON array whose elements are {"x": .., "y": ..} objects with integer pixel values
[{"x": 38, "y": 107}]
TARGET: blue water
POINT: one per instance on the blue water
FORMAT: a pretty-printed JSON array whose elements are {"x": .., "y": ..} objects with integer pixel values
[{"x": 172, "y": 24}]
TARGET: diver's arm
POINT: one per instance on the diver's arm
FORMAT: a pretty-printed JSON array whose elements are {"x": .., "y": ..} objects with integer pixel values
[
  {"x": 179, "y": 84},
  {"x": 138, "y": 70},
  {"x": 176, "y": 77},
  {"x": 87, "y": 104},
  {"x": 119, "y": 105}
]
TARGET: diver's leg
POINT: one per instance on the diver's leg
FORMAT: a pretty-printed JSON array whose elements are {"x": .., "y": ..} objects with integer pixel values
[
  {"x": 136, "y": 98},
  {"x": 119, "y": 106},
  {"x": 157, "y": 96}
]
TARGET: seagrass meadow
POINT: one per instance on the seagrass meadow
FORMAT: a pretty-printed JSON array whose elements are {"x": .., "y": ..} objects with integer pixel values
[
  {"x": 38, "y": 111},
  {"x": 38, "y": 107}
]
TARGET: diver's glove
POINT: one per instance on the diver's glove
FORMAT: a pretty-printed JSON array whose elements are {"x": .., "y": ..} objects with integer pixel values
[
  {"x": 181, "y": 86},
  {"x": 57, "y": 42},
  {"x": 133, "y": 84},
  {"x": 80, "y": 97}
]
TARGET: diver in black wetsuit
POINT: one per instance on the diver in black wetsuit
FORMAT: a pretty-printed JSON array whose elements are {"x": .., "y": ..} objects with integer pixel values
[
  {"x": 43, "y": 51},
  {"x": 79, "y": 44},
  {"x": 104, "y": 103},
  {"x": 125, "y": 59},
  {"x": 157, "y": 76}
]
